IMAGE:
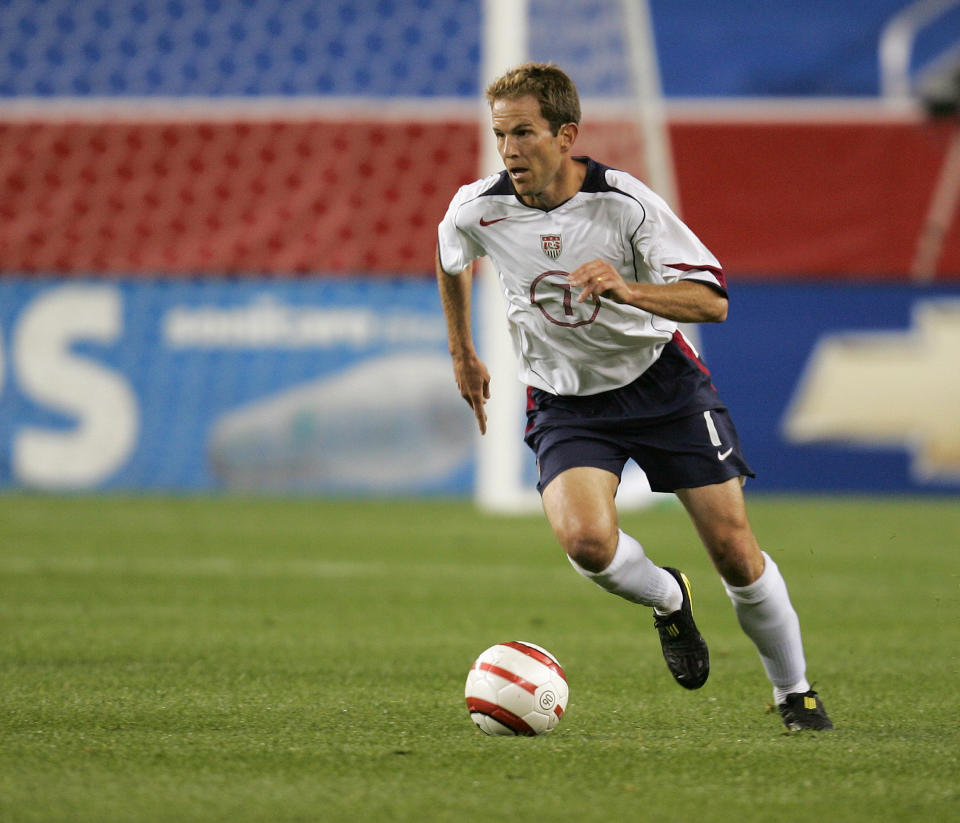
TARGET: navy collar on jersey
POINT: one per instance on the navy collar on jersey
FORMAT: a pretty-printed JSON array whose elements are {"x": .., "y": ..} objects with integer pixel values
[{"x": 593, "y": 181}]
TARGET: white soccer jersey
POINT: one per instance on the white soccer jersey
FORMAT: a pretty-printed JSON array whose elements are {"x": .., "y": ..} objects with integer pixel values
[{"x": 566, "y": 347}]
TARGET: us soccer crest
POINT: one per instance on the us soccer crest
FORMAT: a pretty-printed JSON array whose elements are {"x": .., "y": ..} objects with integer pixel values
[{"x": 552, "y": 245}]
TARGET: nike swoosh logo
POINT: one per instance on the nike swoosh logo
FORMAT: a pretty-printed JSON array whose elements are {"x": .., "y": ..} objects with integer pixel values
[
  {"x": 491, "y": 222},
  {"x": 721, "y": 456}
]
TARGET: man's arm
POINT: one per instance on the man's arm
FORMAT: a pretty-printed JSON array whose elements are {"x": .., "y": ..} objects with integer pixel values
[
  {"x": 471, "y": 374},
  {"x": 686, "y": 301}
]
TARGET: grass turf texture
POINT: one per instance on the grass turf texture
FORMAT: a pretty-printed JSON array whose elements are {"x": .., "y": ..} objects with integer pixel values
[{"x": 253, "y": 660}]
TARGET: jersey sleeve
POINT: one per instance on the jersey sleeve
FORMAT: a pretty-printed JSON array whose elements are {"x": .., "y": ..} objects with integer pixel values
[
  {"x": 673, "y": 252},
  {"x": 456, "y": 249}
]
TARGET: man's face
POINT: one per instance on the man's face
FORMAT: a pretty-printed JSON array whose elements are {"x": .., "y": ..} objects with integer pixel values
[{"x": 531, "y": 153}]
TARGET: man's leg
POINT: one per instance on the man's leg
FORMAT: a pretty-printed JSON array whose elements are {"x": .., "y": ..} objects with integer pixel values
[
  {"x": 719, "y": 514},
  {"x": 581, "y": 509},
  {"x": 752, "y": 580},
  {"x": 580, "y": 506},
  {"x": 754, "y": 584}
]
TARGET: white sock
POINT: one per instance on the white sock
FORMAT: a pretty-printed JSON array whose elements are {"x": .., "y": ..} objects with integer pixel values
[
  {"x": 634, "y": 577},
  {"x": 769, "y": 620}
]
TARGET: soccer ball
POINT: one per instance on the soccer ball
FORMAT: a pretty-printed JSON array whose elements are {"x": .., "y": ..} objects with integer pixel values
[{"x": 516, "y": 688}]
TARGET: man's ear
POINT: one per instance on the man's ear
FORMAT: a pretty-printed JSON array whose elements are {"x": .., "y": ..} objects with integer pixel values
[{"x": 568, "y": 136}]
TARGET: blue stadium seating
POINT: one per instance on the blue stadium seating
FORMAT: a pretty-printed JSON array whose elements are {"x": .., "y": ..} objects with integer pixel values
[
  {"x": 429, "y": 47},
  {"x": 240, "y": 47}
]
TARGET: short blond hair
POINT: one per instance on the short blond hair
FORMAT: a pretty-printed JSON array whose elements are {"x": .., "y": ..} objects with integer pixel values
[{"x": 549, "y": 85}]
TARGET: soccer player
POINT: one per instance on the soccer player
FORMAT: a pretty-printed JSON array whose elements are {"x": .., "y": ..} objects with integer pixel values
[{"x": 597, "y": 273}]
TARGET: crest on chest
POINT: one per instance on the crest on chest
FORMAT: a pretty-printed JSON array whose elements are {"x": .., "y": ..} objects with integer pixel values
[{"x": 551, "y": 245}]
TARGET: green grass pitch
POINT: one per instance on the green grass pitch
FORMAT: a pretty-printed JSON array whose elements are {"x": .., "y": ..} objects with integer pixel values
[{"x": 274, "y": 660}]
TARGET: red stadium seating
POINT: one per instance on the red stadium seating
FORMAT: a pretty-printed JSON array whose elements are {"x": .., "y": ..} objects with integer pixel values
[{"x": 364, "y": 197}]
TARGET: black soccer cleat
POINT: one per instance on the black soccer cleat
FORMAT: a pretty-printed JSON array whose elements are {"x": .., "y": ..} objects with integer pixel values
[
  {"x": 683, "y": 647},
  {"x": 803, "y": 711}
]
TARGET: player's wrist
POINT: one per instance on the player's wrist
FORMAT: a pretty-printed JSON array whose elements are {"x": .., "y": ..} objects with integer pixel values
[
  {"x": 463, "y": 355},
  {"x": 635, "y": 295}
]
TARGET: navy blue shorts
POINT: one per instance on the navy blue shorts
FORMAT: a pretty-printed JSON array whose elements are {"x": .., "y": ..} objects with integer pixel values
[{"x": 670, "y": 420}]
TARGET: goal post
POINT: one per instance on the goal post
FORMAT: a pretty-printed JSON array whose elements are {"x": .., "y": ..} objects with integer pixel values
[
  {"x": 628, "y": 130},
  {"x": 500, "y": 485}
]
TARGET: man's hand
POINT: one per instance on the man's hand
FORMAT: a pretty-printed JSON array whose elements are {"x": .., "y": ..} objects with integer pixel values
[
  {"x": 599, "y": 279},
  {"x": 685, "y": 301},
  {"x": 473, "y": 380}
]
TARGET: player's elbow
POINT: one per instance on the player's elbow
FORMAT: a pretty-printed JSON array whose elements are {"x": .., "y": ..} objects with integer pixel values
[
  {"x": 722, "y": 310},
  {"x": 715, "y": 311}
]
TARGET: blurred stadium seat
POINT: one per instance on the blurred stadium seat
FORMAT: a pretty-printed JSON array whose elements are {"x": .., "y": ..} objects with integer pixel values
[{"x": 238, "y": 47}]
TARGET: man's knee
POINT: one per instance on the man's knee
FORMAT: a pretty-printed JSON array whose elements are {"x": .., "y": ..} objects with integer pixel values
[
  {"x": 579, "y": 504},
  {"x": 590, "y": 545}
]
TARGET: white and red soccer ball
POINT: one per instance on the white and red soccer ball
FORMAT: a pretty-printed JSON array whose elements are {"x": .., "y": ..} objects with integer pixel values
[{"x": 516, "y": 688}]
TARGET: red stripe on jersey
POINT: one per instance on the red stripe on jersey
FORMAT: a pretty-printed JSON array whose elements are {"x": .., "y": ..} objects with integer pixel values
[
  {"x": 517, "y": 724},
  {"x": 537, "y": 655},
  {"x": 718, "y": 273},
  {"x": 687, "y": 349},
  {"x": 508, "y": 675}
]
